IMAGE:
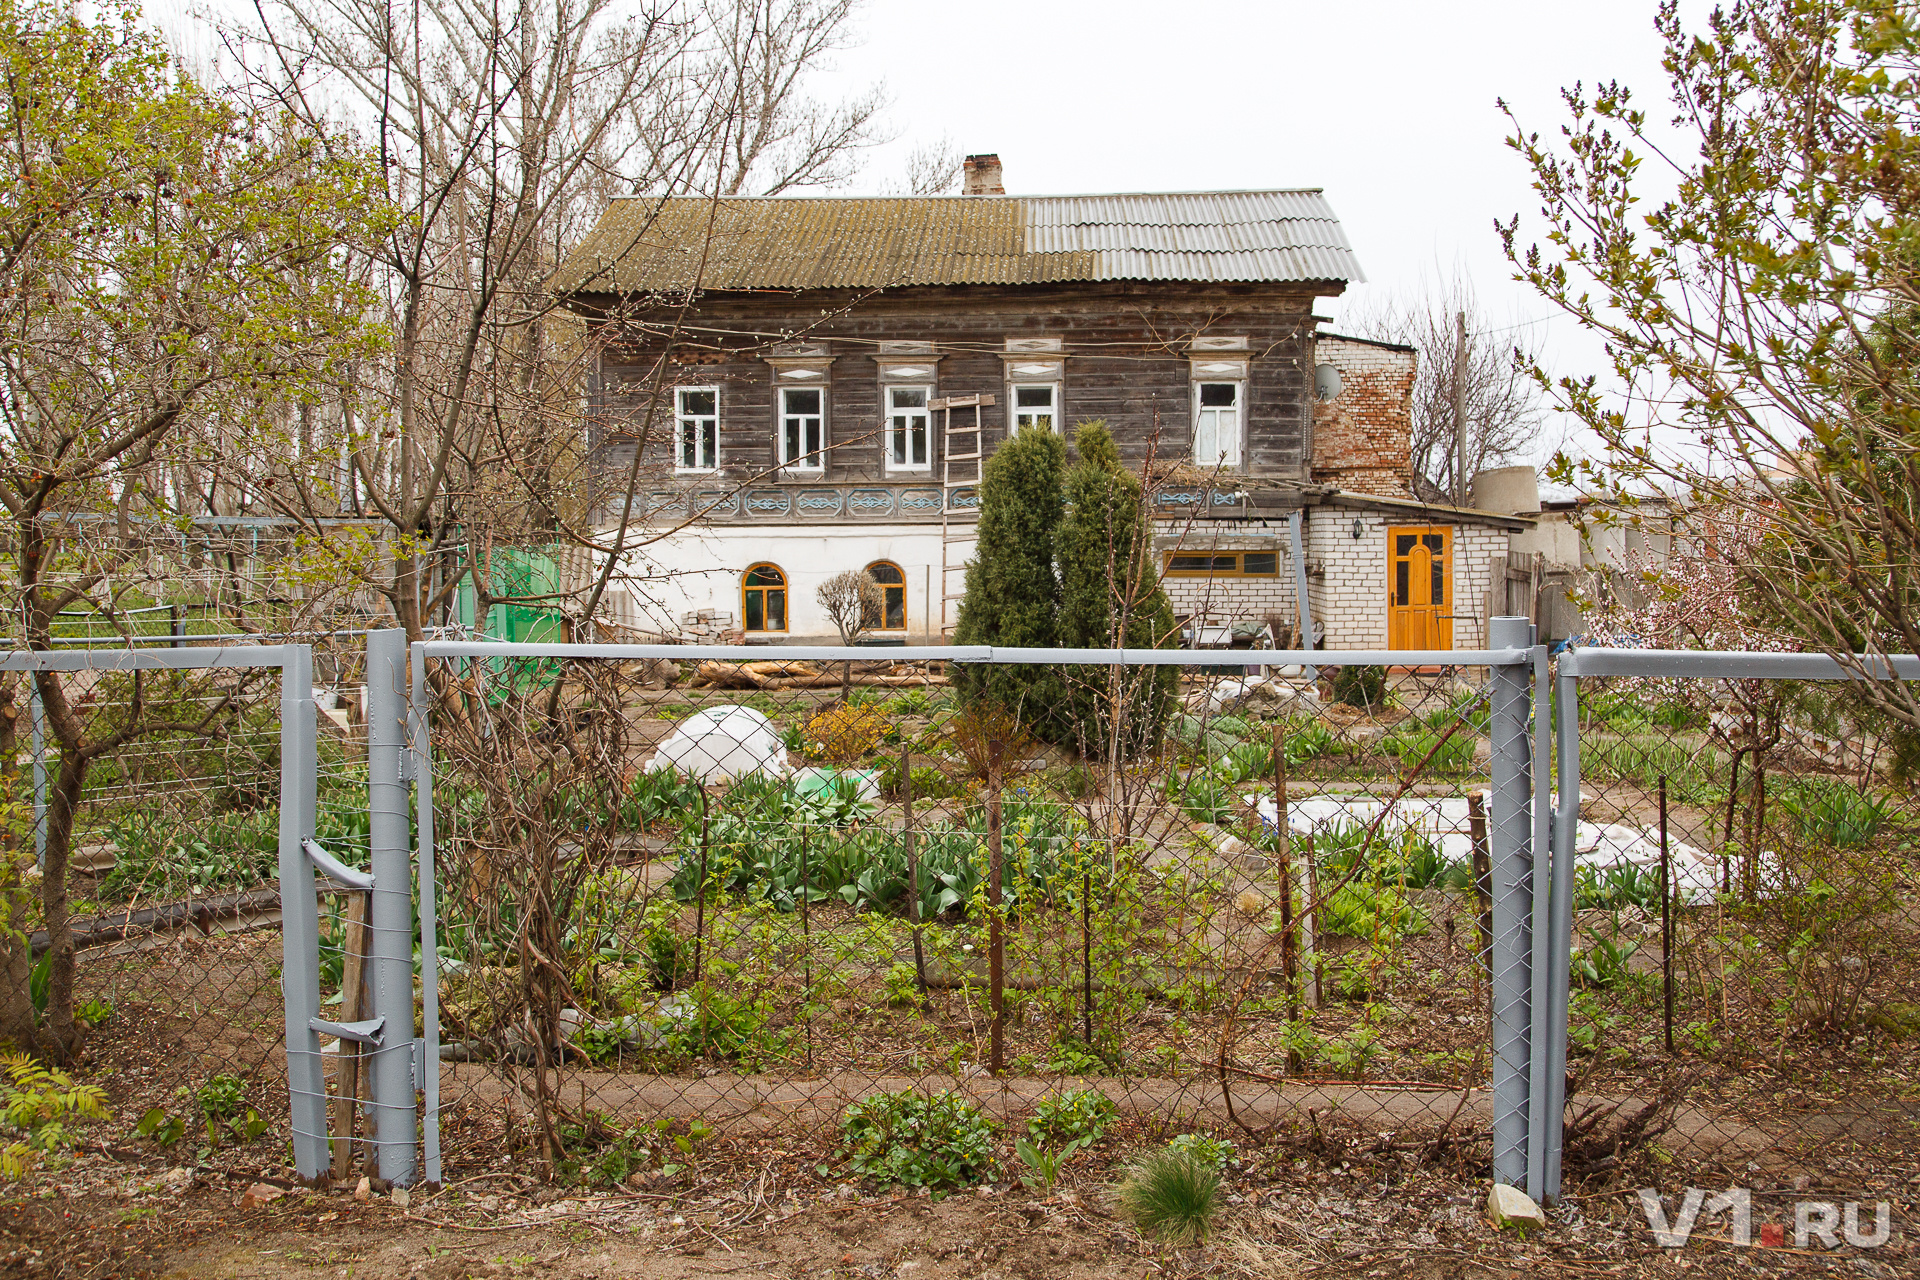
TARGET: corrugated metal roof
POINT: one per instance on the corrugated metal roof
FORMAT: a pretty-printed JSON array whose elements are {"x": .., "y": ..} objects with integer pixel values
[{"x": 643, "y": 245}]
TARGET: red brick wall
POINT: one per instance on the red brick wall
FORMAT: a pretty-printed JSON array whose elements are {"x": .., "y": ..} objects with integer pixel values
[{"x": 1360, "y": 437}]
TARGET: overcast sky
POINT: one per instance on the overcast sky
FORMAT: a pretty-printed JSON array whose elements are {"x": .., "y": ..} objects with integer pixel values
[{"x": 1390, "y": 107}]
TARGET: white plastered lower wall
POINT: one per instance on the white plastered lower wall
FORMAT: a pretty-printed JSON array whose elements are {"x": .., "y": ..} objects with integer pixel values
[{"x": 701, "y": 568}]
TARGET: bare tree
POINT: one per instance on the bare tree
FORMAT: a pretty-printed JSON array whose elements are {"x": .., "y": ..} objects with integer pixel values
[
  {"x": 505, "y": 131},
  {"x": 1503, "y": 402},
  {"x": 933, "y": 169},
  {"x": 852, "y": 601}
]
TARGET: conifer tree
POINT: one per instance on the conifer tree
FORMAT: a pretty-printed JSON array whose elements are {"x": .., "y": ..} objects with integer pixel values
[
  {"x": 1110, "y": 597},
  {"x": 1013, "y": 592}
]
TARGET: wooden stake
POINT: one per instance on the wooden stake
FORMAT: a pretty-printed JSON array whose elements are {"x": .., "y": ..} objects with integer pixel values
[
  {"x": 913, "y": 873},
  {"x": 352, "y": 1009},
  {"x": 1666, "y": 915},
  {"x": 996, "y": 940},
  {"x": 1283, "y": 852},
  {"x": 1482, "y": 888}
]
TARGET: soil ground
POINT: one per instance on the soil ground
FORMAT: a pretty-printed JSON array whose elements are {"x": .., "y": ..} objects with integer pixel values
[{"x": 119, "y": 1212}]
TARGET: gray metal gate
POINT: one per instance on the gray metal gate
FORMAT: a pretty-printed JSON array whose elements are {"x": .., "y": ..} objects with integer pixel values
[{"x": 383, "y": 1039}]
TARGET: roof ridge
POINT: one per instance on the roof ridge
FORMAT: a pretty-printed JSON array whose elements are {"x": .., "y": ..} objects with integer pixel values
[{"x": 1064, "y": 195}]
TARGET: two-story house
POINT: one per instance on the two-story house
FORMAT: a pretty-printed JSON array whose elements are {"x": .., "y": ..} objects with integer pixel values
[{"x": 837, "y": 369}]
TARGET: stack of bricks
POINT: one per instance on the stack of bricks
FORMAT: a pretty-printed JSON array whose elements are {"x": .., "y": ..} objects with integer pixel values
[
  {"x": 1361, "y": 438},
  {"x": 708, "y": 626}
]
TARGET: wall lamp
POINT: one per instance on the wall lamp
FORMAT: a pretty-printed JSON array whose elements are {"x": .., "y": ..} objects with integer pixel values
[{"x": 1359, "y": 529}]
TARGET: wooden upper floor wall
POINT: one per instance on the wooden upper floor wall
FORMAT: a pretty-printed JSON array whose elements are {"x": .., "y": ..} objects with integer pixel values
[{"x": 1129, "y": 353}]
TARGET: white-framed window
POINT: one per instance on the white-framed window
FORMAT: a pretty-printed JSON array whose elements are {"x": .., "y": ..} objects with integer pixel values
[
  {"x": 907, "y": 448},
  {"x": 803, "y": 428},
  {"x": 1216, "y": 424},
  {"x": 1036, "y": 404},
  {"x": 696, "y": 428}
]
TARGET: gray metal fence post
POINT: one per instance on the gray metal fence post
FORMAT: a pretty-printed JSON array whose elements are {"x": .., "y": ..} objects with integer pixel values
[
  {"x": 390, "y": 915},
  {"x": 417, "y": 732},
  {"x": 1510, "y": 849},
  {"x": 300, "y": 915},
  {"x": 1566, "y": 830},
  {"x": 1538, "y": 1118}
]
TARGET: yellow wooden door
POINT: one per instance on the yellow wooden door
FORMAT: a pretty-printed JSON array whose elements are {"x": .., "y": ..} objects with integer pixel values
[{"x": 1420, "y": 587}]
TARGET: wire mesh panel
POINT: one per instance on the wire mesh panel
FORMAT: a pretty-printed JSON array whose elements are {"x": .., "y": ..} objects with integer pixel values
[
  {"x": 685, "y": 898},
  {"x": 1742, "y": 966},
  {"x": 143, "y": 881}
]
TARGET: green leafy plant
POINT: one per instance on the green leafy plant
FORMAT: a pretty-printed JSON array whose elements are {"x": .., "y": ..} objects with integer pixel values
[
  {"x": 161, "y": 1127},
  {"x": 937, "y": 1140},
  {"x": 1621, "y": 885},
  {"x": 1206, "y": 799},
  {"x": 902, "y": 986},
  {"x": 1172, "y": 1195},
  {"x": 1604, "y": 961},
  {"x": 1349, "y": 1055},
  {"x": 1042, "y": 1164},
  {"x": 1215, "y": 1153},
  {"x": 1308, "y": 741},
  {"x": 1075, "y": 1058},
  {"x": 1069, "y": 1116},
  {"x": 41, "y": 1108},
  {"x": 93, "y": 1012},
  {"x": 1360, "y": 910},
  {"x": 1415, "y": 743},
  {"x": 222, "y": 1101},
  {"x": 910, "y": 702},
  {"x": 712, "y": 1022},
  {"x": 595, "y": 1153},
  {"x": 1830, "y": 812},
  {"x": 657, "y": 796}
]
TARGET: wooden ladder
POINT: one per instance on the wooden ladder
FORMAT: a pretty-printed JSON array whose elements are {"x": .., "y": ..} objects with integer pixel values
[{"x": 960, "y": 461}]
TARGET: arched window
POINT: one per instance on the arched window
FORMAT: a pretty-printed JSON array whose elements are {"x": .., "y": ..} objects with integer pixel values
[
  {"x": 892, "y": 614},
  {"x": 763, "y": 598}
]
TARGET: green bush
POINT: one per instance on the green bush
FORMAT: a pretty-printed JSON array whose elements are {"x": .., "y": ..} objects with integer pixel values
[
  {"x": 1363, "y": 687},
  {"x": 937, "y": 1140}
]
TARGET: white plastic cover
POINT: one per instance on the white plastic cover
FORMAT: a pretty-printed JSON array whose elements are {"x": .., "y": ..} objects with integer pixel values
[{"x": 721, "y": 744}]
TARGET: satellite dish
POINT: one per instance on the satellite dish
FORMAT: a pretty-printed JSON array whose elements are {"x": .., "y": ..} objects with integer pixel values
[{"x": 1326, "y": 382}]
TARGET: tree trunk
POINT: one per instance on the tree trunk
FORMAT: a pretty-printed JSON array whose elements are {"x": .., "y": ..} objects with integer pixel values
[
  {"x": 59, "y": 1037},
  {"x": 16, "y": 948}
]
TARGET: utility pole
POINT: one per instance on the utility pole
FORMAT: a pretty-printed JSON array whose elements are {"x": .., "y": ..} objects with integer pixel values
[{"x": 1460, "y": 409}]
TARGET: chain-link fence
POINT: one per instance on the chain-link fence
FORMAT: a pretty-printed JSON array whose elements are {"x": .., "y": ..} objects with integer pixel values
[
  {"x": 1743, "y": 998},
  {"x": 663, "y": 899},
  {"x": 143, "y": 846},
  {"x": 677, "y": 898}
]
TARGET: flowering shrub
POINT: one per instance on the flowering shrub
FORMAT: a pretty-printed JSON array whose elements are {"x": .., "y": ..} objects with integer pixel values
[{"x": 846, "y": 733}]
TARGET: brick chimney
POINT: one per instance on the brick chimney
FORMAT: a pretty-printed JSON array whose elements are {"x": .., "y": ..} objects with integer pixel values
[{"x": 983, "y": 176}]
